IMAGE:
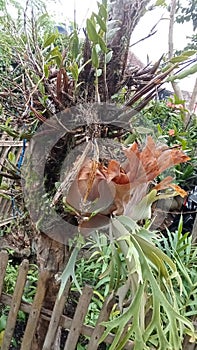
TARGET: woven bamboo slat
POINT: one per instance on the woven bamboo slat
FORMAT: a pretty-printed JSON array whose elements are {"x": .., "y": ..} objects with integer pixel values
[
  {"x": 7, "y": 145},
  {"x": 10, "y": 143}
]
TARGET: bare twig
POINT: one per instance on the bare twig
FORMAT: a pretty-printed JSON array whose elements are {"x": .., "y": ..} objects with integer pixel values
[
  {"x": 34, "y": 90},
  {"x": 151, "y": 33},
  {"x": 28, "y": 46},
  {"x": 35, "y": 37},
  {"x": 146, "y": 37}
]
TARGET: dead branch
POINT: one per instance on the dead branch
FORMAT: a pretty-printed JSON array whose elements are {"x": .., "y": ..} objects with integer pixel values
[
  {"x": 151, "y": 33},
  {"x": 146, "y": 37}
]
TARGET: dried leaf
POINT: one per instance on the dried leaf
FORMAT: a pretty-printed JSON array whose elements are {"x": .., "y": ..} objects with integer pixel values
[
  {"x": 91, "y": 178},
  {"x": 164, "y": 183},
  {"x": 179, "y": 190},
  {"x": 122, "y": 189},
  {"x": 113, "y": 170},
  {"x": 144, "y": 166}
]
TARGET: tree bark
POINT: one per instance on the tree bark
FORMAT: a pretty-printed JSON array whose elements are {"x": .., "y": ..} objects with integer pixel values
[
  {"x": 51, "y": 255},
  {"x": 191, "y": 107},
  {"x": 124, "y": 15},
  {"x": 193, "y": 98}
]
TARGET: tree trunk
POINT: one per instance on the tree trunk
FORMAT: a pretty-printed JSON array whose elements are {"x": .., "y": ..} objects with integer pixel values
[
  {"x": 191, "y": 107},
  {"x": 51, "y": 255},
  {"x": 193, "y": 98},
  {"x": 123, "y": 18}
]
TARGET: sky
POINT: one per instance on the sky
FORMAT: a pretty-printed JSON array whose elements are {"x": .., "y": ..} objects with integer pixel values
[
  {"x": 157, "y": 44},
  {"x": 154, "y": 46}
]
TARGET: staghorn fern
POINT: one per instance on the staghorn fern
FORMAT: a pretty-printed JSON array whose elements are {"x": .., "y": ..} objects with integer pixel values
[
  {"x": 148, "y": 271},
  {"x": 161, "y": 292},
  {"x": 180, "y": 248}
]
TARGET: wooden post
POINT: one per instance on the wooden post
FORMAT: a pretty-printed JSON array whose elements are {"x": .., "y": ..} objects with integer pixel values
[
  {"x": 3, "y": 265},
  {"x": 35, "y": 311},
  {"x": 55, "y": 319},
  {"x": 15, "y": 304},
  {"x": 78, "y": 319}
]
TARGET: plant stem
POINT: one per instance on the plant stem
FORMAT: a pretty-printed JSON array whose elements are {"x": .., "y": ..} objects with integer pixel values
[
  {"x": 106, "y": 95},
  {"x": 130, "y": 264},
  {"x": 97, "y": 96}
]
